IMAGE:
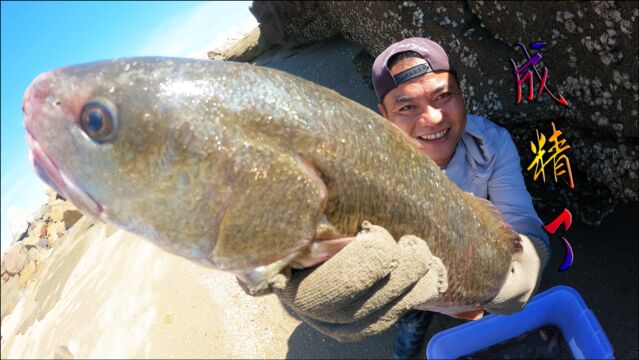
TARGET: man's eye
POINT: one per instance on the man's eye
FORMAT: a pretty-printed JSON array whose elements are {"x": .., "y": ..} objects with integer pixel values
[
  {"x": 443, "y": 96},
  {"x": 407, "y": 107}
]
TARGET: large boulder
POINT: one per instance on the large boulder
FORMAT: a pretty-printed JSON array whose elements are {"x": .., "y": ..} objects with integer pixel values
[
  {"x": 590, "y": 52},
  {"x": 292, "y": 23},
  {"x": 243, "y": 50}
]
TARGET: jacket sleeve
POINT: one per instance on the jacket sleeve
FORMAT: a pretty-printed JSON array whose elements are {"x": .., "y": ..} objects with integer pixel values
[{"x": 507, "y": 191}]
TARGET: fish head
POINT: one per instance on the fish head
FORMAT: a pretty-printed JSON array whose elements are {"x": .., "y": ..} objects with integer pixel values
[{"x": 108, "y": 136}]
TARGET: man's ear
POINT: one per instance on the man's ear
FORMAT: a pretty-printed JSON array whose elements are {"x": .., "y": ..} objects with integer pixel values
[{"x": 382, "y": 110}]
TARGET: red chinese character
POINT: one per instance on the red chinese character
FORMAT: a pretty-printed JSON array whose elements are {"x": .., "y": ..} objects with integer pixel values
[
  {"x": 527, "y": 75},
  {"x": 564, "y": 218}
]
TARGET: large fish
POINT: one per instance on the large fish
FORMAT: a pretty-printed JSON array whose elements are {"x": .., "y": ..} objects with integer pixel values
[{"x": 242, "y": 167}]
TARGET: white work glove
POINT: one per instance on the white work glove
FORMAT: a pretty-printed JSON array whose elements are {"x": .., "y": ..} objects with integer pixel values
[
  {"x": 367, "y": 286},
  {"x": 523, "y": 278}
]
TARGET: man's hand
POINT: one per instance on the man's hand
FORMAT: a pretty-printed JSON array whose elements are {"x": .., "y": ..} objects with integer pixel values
[
  {"x": 320, "y": 251},
  {"x": 366, "y": 286},
  {"x": 523, "y": 278}
]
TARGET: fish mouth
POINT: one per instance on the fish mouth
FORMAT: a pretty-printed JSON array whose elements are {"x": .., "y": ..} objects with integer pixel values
[
  {"x": 38, "y": 96},
  {"x": 47, "y": 169}
]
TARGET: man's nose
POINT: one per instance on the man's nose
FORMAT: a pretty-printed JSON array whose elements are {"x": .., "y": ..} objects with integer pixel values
[{"x": 430, "y": 116}]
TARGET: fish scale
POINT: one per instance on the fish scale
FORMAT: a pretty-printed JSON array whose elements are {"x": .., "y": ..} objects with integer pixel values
[{"x": 236, "y": 166}]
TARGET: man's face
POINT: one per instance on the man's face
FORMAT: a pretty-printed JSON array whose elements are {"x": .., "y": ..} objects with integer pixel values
[{"x": 429, "y": 108}]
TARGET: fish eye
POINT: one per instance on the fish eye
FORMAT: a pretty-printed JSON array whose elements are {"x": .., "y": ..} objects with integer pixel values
[{"x": 98, "y": 119}]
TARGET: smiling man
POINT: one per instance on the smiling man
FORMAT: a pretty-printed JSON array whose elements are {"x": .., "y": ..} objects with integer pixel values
[
  {"x": 427, "y": 108},
  {"x": 418, "y": 90}
]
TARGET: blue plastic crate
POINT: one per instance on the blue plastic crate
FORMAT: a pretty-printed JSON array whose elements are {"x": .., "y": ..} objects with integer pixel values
[{"x": 561, "y": 306}]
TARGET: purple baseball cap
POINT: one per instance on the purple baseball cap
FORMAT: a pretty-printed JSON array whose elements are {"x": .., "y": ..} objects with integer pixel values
[{"x": 435, "y": 56}]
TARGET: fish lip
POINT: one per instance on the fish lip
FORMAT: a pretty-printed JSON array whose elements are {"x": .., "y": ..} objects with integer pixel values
[
  {"x": 260, "y": 276},
  {"x": 51, "y": 173}
]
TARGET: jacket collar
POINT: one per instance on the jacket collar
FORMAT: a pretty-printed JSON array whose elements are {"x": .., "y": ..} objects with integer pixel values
[{"x": 472, "y": 149}]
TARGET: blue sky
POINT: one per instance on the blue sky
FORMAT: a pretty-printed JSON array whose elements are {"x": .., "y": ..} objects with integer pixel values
[{"x": 42, "y": 36}]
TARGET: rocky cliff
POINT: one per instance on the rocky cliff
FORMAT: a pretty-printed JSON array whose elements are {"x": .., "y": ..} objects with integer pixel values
[{"x": 590, "y": 52}]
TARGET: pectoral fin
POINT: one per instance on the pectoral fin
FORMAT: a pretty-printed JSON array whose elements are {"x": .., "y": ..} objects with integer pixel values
[{"x": 278, "y": 200}]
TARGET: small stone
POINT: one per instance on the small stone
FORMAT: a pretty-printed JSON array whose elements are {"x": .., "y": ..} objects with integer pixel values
[
  {"x": 43, "y": 243},
  {"x": 53, "y": 196},
  {"x": 57, "y": 212},
  {"x": 33, "y": 255},
  {"x": 50, "y": 193},
  {"x": 63, "y": 352},
  {"x": 39, "y": 229},
  {"x": 44, "y": 230},
  {"x": 27, "y": 274},
  {"x": 110, "y": 229},
  {"x": 31, "y": 241},
  {"x": 626, "y": 26},
  {"x": 10, "y": 295},
  {"x": 71, "y": 216},
  {"x": 55, "y": 232},
  {"x": 15, "y": 259},
  {"x": 616, "y": 76},
  {"x": 41, "y": 212}
]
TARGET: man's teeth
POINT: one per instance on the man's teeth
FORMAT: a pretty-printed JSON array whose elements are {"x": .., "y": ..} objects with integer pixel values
[{"x": 434, "y": 136}]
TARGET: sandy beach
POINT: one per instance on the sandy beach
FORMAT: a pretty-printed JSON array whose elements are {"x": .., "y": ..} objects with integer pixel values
[
  {"x": 122, "y": 297},
  {"x": 106, "y": 293}
]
